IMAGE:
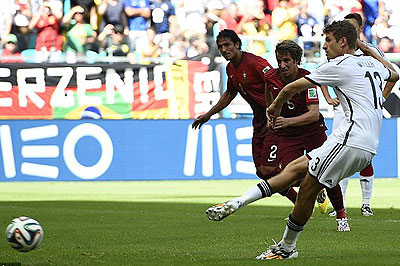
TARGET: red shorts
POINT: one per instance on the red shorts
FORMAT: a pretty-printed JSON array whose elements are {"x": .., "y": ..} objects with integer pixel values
[
  {"x": 293, "y": 148},
  {"x": 265, "y": 150}
]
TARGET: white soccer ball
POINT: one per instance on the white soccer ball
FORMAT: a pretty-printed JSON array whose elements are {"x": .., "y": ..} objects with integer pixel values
[{"x": 24, "y": 234}]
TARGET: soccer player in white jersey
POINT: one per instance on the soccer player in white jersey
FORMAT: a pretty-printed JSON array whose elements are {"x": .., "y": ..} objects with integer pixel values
[
  {"x": 367, "y": 174},
  {"x": 357, "y": 81}
]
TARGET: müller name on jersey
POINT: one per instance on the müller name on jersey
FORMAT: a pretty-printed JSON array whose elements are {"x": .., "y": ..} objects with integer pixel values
[{"x": 368, "y": 63}]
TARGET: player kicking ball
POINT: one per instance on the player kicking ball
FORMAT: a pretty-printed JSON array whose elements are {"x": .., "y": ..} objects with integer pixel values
[
  {"x": 357, "y": 81},
  {"x": 367, "y": 174}
]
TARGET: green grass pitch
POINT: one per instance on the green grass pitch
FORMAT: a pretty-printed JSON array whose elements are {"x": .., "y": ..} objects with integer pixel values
[{"x": 163, "y": 223}]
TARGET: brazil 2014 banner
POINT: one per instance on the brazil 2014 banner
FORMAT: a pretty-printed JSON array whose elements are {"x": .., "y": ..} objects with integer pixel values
[{"x": 117, "y": 91}]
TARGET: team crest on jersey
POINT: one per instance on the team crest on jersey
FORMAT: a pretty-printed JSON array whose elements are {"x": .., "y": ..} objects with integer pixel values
[
  {"x": 245, "y": 80},
  {"x": 266, "y": 69},
  {"x": 312, "y": 93}
]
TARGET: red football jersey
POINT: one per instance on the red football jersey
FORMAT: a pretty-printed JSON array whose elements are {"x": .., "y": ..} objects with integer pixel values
[
  {"x": 248, "y": 80},
  {"x": 297, "y": 105}
]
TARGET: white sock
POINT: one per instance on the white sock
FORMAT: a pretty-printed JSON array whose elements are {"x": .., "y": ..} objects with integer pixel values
[
  {"x": 291, "y": 234},
  {"x": 289, "y": 239},
  {"x": 366, "y": 183},
  {"x": 343, "y": 185},
  {"x": 251, "y": 195}
]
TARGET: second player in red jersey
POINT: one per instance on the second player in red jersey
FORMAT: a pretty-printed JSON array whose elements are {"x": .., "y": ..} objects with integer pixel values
[{"x": 300, "y": 126}]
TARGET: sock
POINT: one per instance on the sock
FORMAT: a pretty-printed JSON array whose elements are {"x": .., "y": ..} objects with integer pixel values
[
  {"x": 343, "y": 185},
  {"x": 340, "y": 214},
  {"x": 336, "y": 198},
  {"x": 289, "y": 193},
  {"x": 259, "y": 191},
  {"x": 366, "y": 183},
  {"x": 291, "y": 234}
]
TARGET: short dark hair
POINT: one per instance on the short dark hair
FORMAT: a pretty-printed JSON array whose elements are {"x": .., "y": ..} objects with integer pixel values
[
  {"x": 355, "y": 16},
  {"x": 290, "y": 47},
  {"x": 230, "y": 34},
  {"x": 341, "y": 29}
]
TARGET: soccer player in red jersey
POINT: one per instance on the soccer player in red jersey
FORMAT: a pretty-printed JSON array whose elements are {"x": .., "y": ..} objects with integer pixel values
[
  {"x": 246, "y": 76},
  {"x": 300, "y": 127}
]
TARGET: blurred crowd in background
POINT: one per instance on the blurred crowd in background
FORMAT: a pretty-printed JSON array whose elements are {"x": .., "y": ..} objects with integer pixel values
[{"x": 144, "y": 31}]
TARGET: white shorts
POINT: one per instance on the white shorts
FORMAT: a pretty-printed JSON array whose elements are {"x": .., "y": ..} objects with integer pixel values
[{"x": 333, "y": 162}]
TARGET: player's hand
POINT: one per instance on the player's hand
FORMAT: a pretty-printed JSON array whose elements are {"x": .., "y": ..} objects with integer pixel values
[
  {"x": 273, "y": 112},
  {"x": 269, "y": 124},
  {"x": 281, "y": 122},
  {"x": 335, "y": 101},
  {"x": 199, "y": 121}
]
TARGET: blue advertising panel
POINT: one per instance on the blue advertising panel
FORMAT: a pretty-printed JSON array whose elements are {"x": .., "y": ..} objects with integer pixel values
[{"x": 67, "y": 150}]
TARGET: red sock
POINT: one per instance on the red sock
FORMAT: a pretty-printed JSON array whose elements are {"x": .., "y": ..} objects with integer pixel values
[
  {"x": 289, "y": 193},
  {"x": 341, "y": 214},
  {"x": 336, "y": 198},
  {"x": 367, "y": 171}
]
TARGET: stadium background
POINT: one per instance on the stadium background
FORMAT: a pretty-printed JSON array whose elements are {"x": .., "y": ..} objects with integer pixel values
[{"x": 146, "y": 110}]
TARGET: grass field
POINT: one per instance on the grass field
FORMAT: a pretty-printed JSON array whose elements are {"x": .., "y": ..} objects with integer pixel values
[{"x": 163, "y": 223}]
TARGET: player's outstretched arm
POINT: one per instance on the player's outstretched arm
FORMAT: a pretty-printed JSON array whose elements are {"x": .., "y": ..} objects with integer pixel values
[{"x": 224, "y": 101}]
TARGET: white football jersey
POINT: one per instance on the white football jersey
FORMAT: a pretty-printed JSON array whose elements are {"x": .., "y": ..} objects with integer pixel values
[
  {"x": 358, "y": 83},
  {"x": 338, "y": 111}
]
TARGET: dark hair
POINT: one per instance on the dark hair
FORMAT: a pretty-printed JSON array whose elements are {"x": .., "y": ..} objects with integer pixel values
[
  {"x": 355, "y": 16},
  {"x": 230, "y": 34},
  {"x": 341, "y": 29},
  {"x": 290, "y": 47}
]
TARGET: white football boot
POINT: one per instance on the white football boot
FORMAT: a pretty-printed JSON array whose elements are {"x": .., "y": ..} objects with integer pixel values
[{"x": 222, "y": 210}]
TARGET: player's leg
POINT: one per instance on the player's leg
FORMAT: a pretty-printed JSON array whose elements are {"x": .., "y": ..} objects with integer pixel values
[
  {"x": 294, "y": 172},
  {"x": 271, "y": 153},
  {"x": 309, "y": 189},
  {"x": 366, "y": 182},
  {"x": 343, "y": 185},
  {"x": 266, "y": 150},
  {"x": 265, "y": 157},
  {"x": 302, "y": 211},
  {"x": 341, "y": 161},
  {"x": 266, "y": 172},
  {"x": 310, "y": 143},
  {"x": 326, "y": 165},
  {"x": 336, "y": 198}
]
